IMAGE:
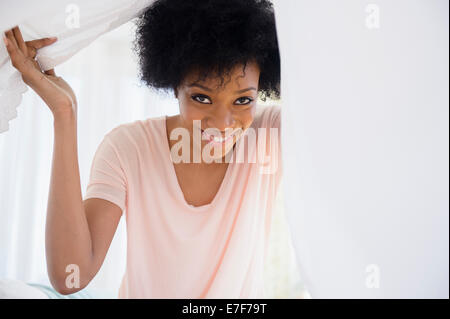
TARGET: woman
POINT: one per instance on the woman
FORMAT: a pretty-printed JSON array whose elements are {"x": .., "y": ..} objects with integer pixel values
[{"x": 197, "y": 218}]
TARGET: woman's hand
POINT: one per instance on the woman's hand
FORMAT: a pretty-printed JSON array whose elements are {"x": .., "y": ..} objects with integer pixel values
[{"x": 55, "y": 92}]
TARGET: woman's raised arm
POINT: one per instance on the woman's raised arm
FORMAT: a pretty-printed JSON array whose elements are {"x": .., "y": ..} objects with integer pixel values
[{"x": 78, "y": 234}]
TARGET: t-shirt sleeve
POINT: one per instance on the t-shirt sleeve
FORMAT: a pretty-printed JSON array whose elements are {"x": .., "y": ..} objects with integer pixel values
[{"x": 107, "y": 178}]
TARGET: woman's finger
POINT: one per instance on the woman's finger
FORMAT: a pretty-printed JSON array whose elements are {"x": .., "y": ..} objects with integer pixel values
[
  {"x": 19, "y": 39},
  {"x": 12, "y": 40},
  {"x": 50, "y": 72},
  {"x": 31, "y": 51},
  {"x": 39, "y": 43},
  {"x": 17, "y": 58},
  {"x": 10, "y": 47}
]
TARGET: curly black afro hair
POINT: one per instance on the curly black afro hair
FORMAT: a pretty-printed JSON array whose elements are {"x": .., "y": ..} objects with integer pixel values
[{"x": 174, "y": 37}]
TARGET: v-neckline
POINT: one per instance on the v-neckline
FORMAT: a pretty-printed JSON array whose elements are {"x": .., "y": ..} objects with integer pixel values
[{"x": 174, "y": 178}]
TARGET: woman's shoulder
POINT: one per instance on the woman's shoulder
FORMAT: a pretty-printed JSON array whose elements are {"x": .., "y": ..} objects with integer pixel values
[
  {"x": 134, "y": 133},
  {"x": 267, "y": 116}
]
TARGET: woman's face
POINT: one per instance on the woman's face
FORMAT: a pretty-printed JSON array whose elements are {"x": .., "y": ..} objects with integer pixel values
[{"x": 224, "y": 112}]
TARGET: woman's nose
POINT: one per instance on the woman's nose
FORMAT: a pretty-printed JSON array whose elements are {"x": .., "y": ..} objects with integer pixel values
[{"x": 223, "y": 119}]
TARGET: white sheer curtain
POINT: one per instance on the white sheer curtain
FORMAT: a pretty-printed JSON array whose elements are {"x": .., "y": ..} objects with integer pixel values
[
  {"x": 365, "y": 144},
  {"x": 104, "y": 77}
]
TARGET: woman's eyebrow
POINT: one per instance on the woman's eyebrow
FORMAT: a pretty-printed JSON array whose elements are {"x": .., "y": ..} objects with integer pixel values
[
  {"x": 247, "y": 89},
  {"x": 199, "y": 86},
  {"x": 209, "y": 90}
]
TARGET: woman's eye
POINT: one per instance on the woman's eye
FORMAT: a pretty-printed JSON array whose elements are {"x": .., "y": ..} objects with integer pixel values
[
  {"x": 244, "y": 101},
  {"x": 201, "y": 99}
]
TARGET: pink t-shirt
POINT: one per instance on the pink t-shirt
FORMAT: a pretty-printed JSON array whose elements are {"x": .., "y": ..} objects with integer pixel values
[{"x": 175, "y": 250}]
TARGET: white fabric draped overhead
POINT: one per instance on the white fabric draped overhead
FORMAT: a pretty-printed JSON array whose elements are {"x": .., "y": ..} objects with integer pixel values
[
  {"x": 365, "y": 133},
  {"x": 76, "y": 24}
]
